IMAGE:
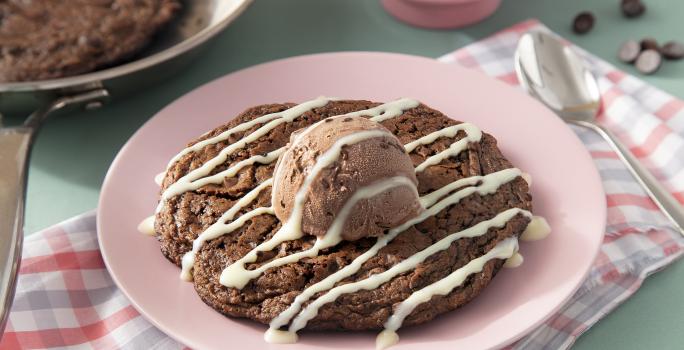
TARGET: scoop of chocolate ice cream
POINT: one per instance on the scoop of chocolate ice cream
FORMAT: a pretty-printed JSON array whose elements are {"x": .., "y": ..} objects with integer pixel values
[{"x": 346, "y": 161}]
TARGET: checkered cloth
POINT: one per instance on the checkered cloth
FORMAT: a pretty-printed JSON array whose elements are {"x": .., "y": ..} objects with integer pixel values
[{"x": 65, "y": 297}]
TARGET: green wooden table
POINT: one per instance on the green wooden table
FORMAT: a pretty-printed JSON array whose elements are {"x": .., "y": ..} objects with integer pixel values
[{"x": 72, "y": 153}]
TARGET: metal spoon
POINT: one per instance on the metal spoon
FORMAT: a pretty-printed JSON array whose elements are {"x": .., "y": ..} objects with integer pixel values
[{"x": 554, "y": 74}]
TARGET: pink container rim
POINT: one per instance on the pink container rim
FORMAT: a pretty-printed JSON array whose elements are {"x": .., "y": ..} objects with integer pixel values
[
  {"x": 440, "y": 14},
  {"x": 442, "y": 2}
]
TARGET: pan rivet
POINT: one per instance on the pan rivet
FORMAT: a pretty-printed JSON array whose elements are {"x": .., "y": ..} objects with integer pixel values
[{"x": 93, "y": 105}]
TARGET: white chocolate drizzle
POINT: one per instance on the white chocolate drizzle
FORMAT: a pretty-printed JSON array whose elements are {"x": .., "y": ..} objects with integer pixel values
[
  {"x": 528, "y": 178},
  {"x": 146, "y": 226},
  {"x": 490, "y": 183},
  {"x": 450, "y": 131},
  {"x": 274, "y": 336},
  {"x": 514, "y": 261},
  {"x": 236, "y": 275},
  {"x": 331, "y": 238},
  {"x": 375, "y": 280},
  {"x": 536, "y": 230},
  {"x": 503, "y": 250},
  {"x": 286, "y": 115},
  {"x": 217, "y": 178},
  {"x": 385, "y": 339},
  {"x": 185, "y": 183},
  {"x": 159, "y": 178},
  {"x": 222, "y": 226},
  {"x": 387, "y": 110},
  {"x": 473, "y": 134},
  {"x": 431, "y": 198}
]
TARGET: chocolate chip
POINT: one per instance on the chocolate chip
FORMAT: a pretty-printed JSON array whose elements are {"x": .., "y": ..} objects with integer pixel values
[
  {"x": 648, "y": 61},
  {"x": 673, "y": 50},
  {"x": 583, "y": 22},
  {"x": 629, "y": 51},
  {"x": 632, "y": 8},
  {"x": 649, "y": 44}
]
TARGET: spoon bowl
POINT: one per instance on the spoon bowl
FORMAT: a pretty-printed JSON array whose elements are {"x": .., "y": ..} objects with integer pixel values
[{"x": 557, "y": 76}]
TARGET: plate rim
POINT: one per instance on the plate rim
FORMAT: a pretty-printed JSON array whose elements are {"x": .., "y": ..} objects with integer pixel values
[{"x": 183, "y": 340}]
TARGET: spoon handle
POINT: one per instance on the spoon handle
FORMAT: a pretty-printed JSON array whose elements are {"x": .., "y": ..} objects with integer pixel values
[{"x": 661, "y": 196}]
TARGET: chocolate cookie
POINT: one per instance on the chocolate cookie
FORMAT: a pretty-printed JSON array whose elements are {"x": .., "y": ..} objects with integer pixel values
[
  {"x": 58, "y": 38},
  {"x": 184, "y": 215}
]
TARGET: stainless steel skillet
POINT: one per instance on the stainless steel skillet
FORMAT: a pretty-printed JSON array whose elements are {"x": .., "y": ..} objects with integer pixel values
[{"x": 200, "y": 21}]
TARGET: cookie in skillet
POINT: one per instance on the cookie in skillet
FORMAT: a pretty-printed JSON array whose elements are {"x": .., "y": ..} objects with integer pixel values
[{"x": 42, "y": 40}]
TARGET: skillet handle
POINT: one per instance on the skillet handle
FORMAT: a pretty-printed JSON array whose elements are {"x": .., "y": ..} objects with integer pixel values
[
  {"x": 15, "y": 147},
  {"x": 15, "y": 144}
]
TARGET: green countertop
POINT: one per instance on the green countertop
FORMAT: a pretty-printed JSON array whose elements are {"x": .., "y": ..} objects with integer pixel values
[{"x": 72, "y": 153}]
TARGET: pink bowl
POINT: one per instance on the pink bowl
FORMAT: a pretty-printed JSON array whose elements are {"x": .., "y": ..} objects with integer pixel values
[{"x": 441, "y": 14}]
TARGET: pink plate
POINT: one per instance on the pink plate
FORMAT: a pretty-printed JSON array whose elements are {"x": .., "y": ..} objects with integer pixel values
[{"x": 566, "y": 189}]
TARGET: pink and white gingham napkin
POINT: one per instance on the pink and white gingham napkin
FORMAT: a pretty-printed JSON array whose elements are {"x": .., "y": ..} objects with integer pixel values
[
  {"x": 639, "y": 239},
  {"x": 65, "y": 297}
]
